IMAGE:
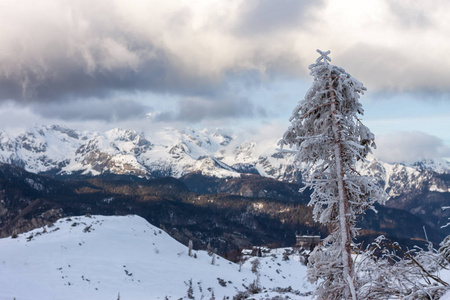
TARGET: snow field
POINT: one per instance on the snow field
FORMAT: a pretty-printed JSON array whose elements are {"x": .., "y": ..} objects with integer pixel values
[{"x": 99, "y": 257}]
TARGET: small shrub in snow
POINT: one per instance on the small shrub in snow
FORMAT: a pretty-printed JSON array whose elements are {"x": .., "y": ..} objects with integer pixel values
[
  {"x": 255, "y": 286},
  {"x": 242, "y": 295},
  {"x": 209, "y": 249},
  {"x": 190, "y": 291},
  {"x": 255, "y": 265},
  {"x": 222, "y": 282}
]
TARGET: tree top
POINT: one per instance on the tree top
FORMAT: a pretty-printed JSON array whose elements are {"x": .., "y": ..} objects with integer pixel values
[{"x": 323, "y": 56}]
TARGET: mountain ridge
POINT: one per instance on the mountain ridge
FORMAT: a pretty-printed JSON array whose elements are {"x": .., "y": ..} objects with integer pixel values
[
  {"x": 422, "y": 188},
  {"x": 60, "y": 150}
]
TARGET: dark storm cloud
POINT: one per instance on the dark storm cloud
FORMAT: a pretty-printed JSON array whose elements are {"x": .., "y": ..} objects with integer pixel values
[
  {"x": 263, "y": 16},
  {"x": 92, "y": 110},
  {"x": 55, "y": 51},
  {"x": 70, "y": 79},
  {"x": 197, "y": 109}
]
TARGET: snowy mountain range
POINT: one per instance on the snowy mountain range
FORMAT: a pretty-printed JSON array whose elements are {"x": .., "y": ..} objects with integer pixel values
[
  {"x": 170, "y": 152},
  {"x": 167, "y": 152},
  {"x": 422, "y": 188},
  {"x": 99, "y": 257}
]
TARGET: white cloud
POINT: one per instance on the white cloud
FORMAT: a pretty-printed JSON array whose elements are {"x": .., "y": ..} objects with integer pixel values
[
  {"x": 111, "y": 110},
  {"x": 409, "y": 147}
]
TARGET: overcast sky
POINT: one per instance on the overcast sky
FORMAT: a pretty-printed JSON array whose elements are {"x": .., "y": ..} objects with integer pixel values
[{"x": 238, "y": 64}]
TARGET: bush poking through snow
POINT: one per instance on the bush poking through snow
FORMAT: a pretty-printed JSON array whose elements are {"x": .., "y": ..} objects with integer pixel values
[
  {"x": 255, "y": 265},
  {"x": 255, "y": 286},
  {"x": 190, "y": 291}
]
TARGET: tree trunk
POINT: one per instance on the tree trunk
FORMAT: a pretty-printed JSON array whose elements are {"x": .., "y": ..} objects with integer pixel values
[{"x": 347, "y": 262}]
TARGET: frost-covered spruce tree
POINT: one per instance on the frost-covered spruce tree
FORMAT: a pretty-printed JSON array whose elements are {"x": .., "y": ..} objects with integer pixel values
[{"x": 329, "y": 138}]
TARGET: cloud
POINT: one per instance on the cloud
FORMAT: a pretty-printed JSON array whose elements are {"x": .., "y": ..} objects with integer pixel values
[
  {"x": 263, "y": 16},
  {"x": 55, "y": 50},
  {"x": 410, "y": 14},
  {"x": 409, "y": 147},
  {"x": 386, "y": 69},
  {"x": 64, "y": 50},
  {"x": 388, "y": 48},
  {"x": 195, "y": 109},
  {"x": 94, "y": 110}
]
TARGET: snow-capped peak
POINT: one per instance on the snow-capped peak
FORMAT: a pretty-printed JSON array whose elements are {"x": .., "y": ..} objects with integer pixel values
[{"x": 440, "y": 166}]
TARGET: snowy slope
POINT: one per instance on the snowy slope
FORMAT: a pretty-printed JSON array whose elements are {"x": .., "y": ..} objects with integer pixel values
[{"x": 99, "y": 257}]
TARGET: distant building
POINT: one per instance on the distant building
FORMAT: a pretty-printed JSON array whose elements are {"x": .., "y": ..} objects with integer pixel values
[
  {"x": 307, "y": 242},
  {"x": 256, "y": 251}
]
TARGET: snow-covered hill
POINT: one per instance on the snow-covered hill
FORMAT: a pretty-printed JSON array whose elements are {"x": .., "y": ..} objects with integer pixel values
[{"x": 98, "y": 257}]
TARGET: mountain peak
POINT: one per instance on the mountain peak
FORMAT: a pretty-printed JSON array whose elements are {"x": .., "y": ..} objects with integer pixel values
[{"x": 440, "y": 166}]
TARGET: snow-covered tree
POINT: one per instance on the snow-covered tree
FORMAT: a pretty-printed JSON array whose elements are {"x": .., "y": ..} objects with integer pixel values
[
  {"x": 329, "y": 138},
  {"x": 444, "y": 250},
  {"x": 190, "y": 246}
]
